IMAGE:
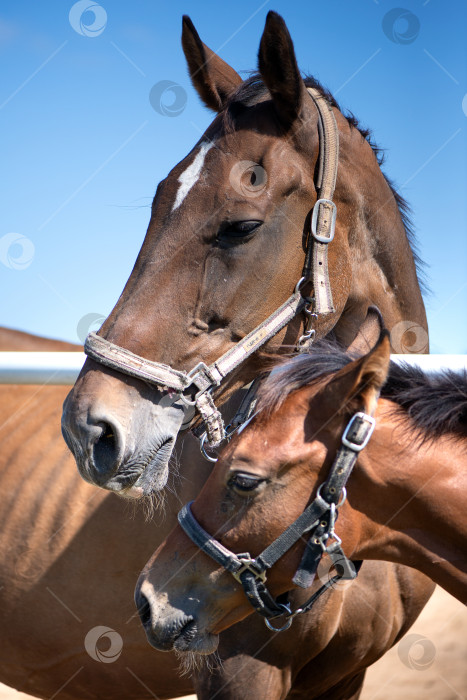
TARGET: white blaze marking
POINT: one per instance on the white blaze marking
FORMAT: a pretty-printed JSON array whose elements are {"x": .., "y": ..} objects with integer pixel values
[{"x": 190, "y": 176}]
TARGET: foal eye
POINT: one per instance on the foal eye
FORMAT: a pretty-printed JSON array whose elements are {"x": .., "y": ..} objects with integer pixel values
[
  {"x": 237, "y": 229},
  {"x": 244, "y": 482}
]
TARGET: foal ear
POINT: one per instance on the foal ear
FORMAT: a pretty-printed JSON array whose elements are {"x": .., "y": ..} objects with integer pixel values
[
  {"x": 212, "y": 77},
  {"x": 278, "y": 68},
  {"x": 357, "y": 386}
]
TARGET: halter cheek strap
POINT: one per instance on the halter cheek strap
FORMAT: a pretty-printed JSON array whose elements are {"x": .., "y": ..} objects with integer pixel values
[
  {"x": 318, "y": 519},
  {"x": 195, "y": 387},
  {"x": 323, "y": 219}
]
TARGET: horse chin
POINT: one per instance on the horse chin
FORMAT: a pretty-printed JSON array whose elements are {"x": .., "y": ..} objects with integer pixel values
[
  {"x": 178, "y": 632},
  {"x": 154, "y": 476},
  {"x": 134, "y": 493},
  {"x": 142, "y": 477},
  {"x": 193, "y": 641},
  {"x": 152, "y": 479}
]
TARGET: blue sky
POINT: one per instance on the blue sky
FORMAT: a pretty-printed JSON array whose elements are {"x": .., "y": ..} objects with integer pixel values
[{"x": 83, "y": 148}]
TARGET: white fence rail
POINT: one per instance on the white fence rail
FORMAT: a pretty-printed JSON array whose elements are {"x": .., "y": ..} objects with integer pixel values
[
  {"x": 40, "y": 367},
  {"x": 64, "y": 367}
]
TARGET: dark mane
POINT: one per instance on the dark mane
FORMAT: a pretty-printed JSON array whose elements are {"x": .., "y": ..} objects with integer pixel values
[
  {"x": 436, "y": 402},
  {"x": 253, "y": 90}
]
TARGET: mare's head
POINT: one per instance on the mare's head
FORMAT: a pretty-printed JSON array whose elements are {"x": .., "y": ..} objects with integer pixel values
[
  {"x": 262, "y": 482},
  {"x": 224, "y": 249}
]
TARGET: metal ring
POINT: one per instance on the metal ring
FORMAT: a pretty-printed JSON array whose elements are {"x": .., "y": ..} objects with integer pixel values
[
  {"x": 202, "y": 448},
  {"x": 307, "y": 335},
  {"x": 290, "y": 617},
  {"x": 289, "y": 620},
  {"x": 299, "y": 284},
  {"x": 187, "y": 401},
  {"x": 278, "y": 629},
  {"x": 343, "y": 495}
]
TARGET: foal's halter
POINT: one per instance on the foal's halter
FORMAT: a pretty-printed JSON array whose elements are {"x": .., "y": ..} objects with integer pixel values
[
  {"x": 195, "y": 387},
  {"x": 317, "y": 520}
]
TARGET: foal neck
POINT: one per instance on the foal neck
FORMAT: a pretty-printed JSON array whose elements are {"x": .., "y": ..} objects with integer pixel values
[{"x": 407, "y": 500}]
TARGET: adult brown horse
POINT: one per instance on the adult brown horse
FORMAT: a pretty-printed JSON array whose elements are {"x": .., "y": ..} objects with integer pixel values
[
  {"x": 278, "y": 486},
  {"x": 70, "y": 555},
  {"x": 224, "y": 249},
  {"x": 69, "y": 558}
]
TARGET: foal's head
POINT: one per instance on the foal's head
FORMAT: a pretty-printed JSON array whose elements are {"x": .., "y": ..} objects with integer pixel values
[{"x": 262, "y": 482}]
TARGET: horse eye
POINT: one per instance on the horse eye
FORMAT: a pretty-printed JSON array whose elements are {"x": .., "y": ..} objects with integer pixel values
[
  {"x": 238, "y": 229},
  {"x": 244, "y": 482}
]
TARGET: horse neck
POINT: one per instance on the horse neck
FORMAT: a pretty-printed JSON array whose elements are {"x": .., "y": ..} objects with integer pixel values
[
  {"x": 411, "y": 492},
  {"x": 377, "y": 244}
]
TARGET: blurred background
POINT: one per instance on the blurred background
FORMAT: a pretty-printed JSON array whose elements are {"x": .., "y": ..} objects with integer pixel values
[{"x": 96, "y": 107}]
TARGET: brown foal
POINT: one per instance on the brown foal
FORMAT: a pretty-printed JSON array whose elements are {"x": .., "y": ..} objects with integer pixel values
[{"x": 405, "y": 497}]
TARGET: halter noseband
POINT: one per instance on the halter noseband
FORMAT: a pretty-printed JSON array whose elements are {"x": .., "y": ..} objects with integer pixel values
[
  {"x": 317, "y": 521},
  {"x": 195, "y": 387}
]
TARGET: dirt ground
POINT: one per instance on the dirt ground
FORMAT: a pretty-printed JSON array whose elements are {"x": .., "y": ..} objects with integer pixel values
[{"x": 430, "y": 662}]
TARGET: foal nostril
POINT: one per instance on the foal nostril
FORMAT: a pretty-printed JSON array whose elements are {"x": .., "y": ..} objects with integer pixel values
[
  {"x": 106, "y": 451},
  {"x": 144, "y": 608}
]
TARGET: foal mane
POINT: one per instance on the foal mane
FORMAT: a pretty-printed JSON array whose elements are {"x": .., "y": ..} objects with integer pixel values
[
  {"x": 253, "y": 90},
  {"x": 435, "y": 402}
]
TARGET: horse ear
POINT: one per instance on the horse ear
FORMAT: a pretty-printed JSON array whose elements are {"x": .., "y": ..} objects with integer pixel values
[
  {"x": 212, "y": 77},
  {"x": 357, "y": 386},
  {"x": 278, "y": 68},
  {"x": 368, "y": 333}
]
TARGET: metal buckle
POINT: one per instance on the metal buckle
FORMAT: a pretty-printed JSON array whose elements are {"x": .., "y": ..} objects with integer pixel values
[
  {"x": 369, "y": 420},
  {"x": 248, "y": 564},
  {"x": 314, "y": 221},
  {"x": 203, "y": 379}
]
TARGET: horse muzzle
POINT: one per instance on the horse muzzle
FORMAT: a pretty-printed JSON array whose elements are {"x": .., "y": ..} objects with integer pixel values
[
  {"x": 122, "y": 436},
  {"x": 169, "y": 628}
]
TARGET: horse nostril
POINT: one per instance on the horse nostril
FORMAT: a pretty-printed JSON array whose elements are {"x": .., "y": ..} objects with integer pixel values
[
  {"x": 144, "y": 609},
  {"x": 105, "y": 450}
]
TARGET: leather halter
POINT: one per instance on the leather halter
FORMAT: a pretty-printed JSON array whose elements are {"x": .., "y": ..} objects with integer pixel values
[
  {"x": 195, "y": 388},
  {"x": 317, "y": 521}
]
